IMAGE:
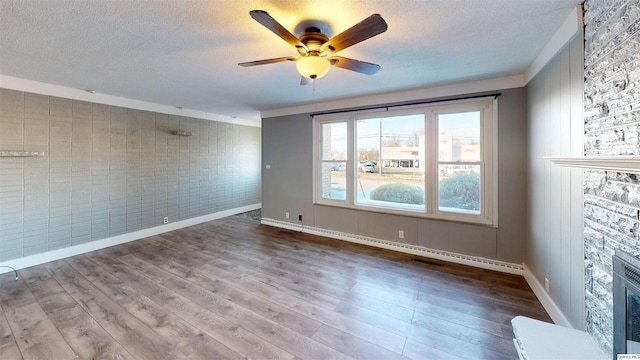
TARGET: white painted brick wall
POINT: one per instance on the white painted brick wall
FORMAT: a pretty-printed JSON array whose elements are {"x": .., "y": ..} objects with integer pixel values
[
  {"x": 612, "y": 127},
  {"x": 110, "y": 170}
]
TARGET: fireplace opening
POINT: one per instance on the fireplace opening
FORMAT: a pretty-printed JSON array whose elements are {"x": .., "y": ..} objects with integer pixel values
[
  {"x": 626, "y": 303},
  {"x": 633, "y": 323}
]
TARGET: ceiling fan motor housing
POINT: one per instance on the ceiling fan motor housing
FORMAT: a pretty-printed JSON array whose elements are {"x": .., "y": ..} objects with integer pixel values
[{"x": 313, "y": 40}]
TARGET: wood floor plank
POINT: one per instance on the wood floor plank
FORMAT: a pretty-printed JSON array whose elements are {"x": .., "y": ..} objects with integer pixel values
[
  {"x": 346, "y": 266},
  {"x": 334, "y": 253},
  {"x": 281, "y": 257},
  {"x": 356, "y": 327},
  {"x": 6, "y": 336},
  {"x": 472, "y": 340},
  {"x": 233, "y": 288},
  {"x": 144, "y": 343},
  {"x": 14, "y": 292},
  {"x": 226, "y": 332},
  {"x": 269, "y": 310},
  {"x": 285, "y": 285},
  {"x": 384, "y": 307},
  {"x": 410, "y": 294},
  {"x": 387, "y": 283},
  {"x": 10, "y": 351},
  {"x": 521, "y": 309},
  {"x": 281, "y": 336},
  {"x": 460, "y": 319},
  {"x": 419, "y": 351},
  {"x": 352, "y": 345},
  {"x": 322, "y": 293},
  {"x": 112, "y": 317},
  {"x": 83, "y": 334},
  {"x": 40, "y": 282},
  {"x": 36, "y": 336},
  {"x": 185, "y": 337}
]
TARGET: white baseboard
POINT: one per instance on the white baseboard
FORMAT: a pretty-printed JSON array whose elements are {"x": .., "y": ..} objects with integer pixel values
[
  {"x": 405, "y": 248},
  {"x": 42, "y": 258},
  {"x": 543, "y": 296}
]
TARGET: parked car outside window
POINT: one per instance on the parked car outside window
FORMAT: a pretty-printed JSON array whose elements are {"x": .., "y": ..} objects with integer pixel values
[{"x": 367, "y": 166}]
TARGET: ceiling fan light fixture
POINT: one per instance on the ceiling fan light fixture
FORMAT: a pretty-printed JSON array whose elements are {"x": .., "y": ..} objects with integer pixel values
[{"x": 313, "y": 67}]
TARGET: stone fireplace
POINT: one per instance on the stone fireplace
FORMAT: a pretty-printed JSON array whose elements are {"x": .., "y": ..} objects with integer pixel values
[{"x": 612, "y": 129}]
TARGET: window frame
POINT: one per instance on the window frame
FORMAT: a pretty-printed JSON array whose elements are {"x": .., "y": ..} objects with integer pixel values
[
  {"x": 487, "y": 106},
  {"x": 319, "y": 161}
]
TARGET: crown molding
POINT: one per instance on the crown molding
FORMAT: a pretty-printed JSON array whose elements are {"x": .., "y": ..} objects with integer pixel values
[{"x": 37, "y": 87}]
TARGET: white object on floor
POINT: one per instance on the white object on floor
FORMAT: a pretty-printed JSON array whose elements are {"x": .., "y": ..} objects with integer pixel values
[{"x": 539, "y": 340}]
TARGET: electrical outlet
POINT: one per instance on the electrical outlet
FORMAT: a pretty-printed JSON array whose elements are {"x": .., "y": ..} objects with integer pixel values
[
  {"x": 401, "y": 234},
  {"x": 165, "y": 220},
  {"x": 300, "y": 217},
  {"x": 546, "y": 284},
  {"x": 286, "y": 215}
]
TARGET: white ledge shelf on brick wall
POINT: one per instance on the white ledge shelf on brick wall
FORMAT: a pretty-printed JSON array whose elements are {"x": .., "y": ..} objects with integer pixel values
[
  {"x": 623, "y": 164},
  {"x": 538, "y": 340},
  {"x": 20, "y": 153}
]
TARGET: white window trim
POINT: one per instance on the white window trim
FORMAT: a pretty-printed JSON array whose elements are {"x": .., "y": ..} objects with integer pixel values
[
  {"x": 487, "y": 163},
  {"x": 489, "y": 148}
]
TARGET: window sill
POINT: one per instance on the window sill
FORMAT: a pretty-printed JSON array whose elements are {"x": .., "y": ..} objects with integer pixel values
[{"x": 457, "y": 218}]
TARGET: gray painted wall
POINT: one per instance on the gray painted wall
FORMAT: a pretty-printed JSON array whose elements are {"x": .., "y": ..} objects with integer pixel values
[
  {"x": 288, "y": 187},
  {"x": 554, "y": 238},
  {"x": 109, "y": 171}
]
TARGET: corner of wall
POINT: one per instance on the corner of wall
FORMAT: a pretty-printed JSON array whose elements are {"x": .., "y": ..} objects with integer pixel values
[
  {"x": 547, "y": 302},
  {"x": 569, "y": 28}
]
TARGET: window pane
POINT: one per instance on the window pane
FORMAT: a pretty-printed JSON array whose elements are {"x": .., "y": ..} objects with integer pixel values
[
  {"x": 390, "y": 167},
  {"x": 333, "y": 181},
  {"x": 459, "y": 189},
  {"x": 334, "y": 141},
  {"x": 368, "y": 143},
  {"x": 459, "y": 136}
]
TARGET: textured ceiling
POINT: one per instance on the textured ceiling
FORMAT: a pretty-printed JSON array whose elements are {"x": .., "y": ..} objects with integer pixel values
[{"x": 185, "y": 53}]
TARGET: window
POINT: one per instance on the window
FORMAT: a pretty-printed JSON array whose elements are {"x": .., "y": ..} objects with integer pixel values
[
  {"x": 389, "y": 156},
  {"x": 459, "y": 162},
  {"x": 429, "y": 161},
  {"x": 333, "y": 159}
]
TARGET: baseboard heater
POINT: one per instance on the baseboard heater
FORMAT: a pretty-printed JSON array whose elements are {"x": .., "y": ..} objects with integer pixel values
[{"x": 476, "y": 261}]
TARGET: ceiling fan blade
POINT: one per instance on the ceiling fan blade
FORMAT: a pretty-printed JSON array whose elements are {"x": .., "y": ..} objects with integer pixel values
[
  {"x": 268, "y": 61},
  {"x": 270, "y": 23},
  {"x": 354, "y": 65},
  {"x": 305, "y": 81},
  {"x": 367, "y": 28}
]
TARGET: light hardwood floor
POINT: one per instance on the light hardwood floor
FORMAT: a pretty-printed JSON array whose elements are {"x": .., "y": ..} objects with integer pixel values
[{"x": 233, "y": 288}]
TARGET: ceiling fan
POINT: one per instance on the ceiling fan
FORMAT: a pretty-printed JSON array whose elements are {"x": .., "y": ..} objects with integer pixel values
[{"x": 317, "y": 51}]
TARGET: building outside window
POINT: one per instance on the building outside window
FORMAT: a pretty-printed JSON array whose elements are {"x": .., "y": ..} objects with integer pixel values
[{"x": 433, "y": 161}]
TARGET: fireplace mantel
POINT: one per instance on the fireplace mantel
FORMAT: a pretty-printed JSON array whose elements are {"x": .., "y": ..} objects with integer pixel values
[{"x": 623, "y": 164}]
